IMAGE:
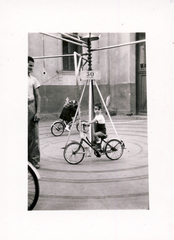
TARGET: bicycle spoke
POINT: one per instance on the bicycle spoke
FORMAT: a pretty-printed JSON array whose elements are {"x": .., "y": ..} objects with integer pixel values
[
  {"x": 57, "y": 129},
  {"x": 114, "y": 149},
  {"x": 74, "y": 153}
]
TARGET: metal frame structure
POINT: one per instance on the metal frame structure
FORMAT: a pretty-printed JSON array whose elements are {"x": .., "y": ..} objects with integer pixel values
[{"x": 86, "y": 42}]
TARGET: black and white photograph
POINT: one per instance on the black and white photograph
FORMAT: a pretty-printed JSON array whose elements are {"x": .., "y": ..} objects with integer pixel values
[{"x": 90, "y": 143}]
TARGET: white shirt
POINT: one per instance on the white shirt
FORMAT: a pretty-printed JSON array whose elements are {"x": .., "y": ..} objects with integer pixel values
[
  {"x": 100, "y": 119},
  {"x": 33, "y": 83}
]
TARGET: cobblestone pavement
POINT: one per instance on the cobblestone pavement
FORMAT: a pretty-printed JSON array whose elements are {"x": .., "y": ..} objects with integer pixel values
[{"x": 95, "y": 183}]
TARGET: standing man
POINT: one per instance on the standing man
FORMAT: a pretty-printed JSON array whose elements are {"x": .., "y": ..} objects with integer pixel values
[{"x": 34, "y": 102}]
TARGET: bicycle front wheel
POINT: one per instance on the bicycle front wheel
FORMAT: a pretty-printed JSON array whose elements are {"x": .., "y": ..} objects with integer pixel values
[
  {"x": 114, "y": 149},
  {"x": 57, "y": 128},
  {"x": 74, "y": 153},
  {"x": 33, "y": 189}
]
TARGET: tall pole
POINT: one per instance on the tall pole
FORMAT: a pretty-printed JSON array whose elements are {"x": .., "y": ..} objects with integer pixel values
[
  {"x": 91, "y": 87},
  {"x": 88, "y": 40}
]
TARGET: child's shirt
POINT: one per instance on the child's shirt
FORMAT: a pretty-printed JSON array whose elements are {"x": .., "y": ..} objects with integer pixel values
[
  {"x": 100, "y": 119},
  {"x": 100, "y": 126}
]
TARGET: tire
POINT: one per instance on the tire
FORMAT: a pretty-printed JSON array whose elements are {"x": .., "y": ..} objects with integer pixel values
[
  {"x": 33, "y": 189},
  {"x": 57, "y": 128},
  {"x": 74, "y": 153},
  {"x": 114, "y": 149}
]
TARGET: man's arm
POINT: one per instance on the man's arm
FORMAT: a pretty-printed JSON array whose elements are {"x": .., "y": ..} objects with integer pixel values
[{"x": 38, "y": 103}]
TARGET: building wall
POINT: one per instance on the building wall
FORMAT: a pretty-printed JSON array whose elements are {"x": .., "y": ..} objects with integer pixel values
[{"x": 117, "y": 68}]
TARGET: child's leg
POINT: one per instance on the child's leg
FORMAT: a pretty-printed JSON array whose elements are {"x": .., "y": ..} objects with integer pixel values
[
  {"x": 98, "y": 140},
  {"x": 97, "y": 135}
]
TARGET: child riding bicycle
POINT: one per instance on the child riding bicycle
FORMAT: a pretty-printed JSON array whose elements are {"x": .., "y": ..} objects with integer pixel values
[{"x": 100, "y": 128}]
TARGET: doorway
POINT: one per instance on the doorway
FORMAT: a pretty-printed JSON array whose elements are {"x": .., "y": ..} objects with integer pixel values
[{"x": 141, "y": 88}]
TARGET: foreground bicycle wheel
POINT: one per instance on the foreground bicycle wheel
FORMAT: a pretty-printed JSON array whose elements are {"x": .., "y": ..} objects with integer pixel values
[
  {"x": 114, "y": 149},
  {"x": 33, "y": 189},
  {"x": 57, "y": 128},
  {"x": 74, "y": 153}
]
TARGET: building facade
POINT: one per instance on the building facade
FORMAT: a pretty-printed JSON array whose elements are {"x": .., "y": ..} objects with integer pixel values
[{"x": 123, "y": 71}]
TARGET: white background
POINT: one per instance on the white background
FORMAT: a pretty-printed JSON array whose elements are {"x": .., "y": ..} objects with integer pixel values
[{"x": 17, "y": 18}]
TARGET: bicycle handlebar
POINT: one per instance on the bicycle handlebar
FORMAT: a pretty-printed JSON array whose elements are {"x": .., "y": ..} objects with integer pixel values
[{"x": 86, "y": 125}]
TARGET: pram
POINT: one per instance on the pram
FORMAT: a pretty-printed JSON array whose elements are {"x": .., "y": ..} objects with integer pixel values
[
  {"x": 66, "y": 116},
  {"x": 68, "y": 111}
]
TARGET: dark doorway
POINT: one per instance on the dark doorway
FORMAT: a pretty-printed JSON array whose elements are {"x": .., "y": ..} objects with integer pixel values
[{"x": 141, "y": 88}]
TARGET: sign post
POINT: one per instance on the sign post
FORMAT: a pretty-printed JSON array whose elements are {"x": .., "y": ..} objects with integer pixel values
[
  {"x": 88, "y": 40},
  {"x": 90, "y": 75}
]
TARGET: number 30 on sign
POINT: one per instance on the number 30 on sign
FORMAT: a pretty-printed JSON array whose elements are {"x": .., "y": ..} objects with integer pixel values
[{"x": 87, "y": 75}]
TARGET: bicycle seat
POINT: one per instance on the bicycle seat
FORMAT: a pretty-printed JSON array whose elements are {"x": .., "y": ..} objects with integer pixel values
[{"x": 103, "y": 137}]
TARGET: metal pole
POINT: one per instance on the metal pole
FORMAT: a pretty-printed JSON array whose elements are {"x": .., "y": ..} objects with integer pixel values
[
  {"x": 119, "y": 45},
  {"x": 64, "y": 39},
  {"x": 91, "y": 89},
  {"x": 73, "y": 38},
  {"x": 57, "y": 56},
  {"x": 77, "y": 67},
  {"x": 106, "y": 110},
  {"x": 76, "y": 72},
  {"x": 54, "y": 56},
  {"x": 78, "y": 110},
  {"x": 75, "y": 63},
  {"x": 90, "y": 110}
]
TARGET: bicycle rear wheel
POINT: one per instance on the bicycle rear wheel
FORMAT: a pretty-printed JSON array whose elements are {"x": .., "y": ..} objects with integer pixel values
[
  {"x": 33, "y": 189},
  {"x": 114, "y": 149},
  {"x": 57, "y": 128},
  {"x": 74, "y": 153}
]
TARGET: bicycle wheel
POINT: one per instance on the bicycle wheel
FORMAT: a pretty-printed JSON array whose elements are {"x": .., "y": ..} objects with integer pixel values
[
  {"x": 114, "y": 149},
  {"x": 33, "y": 189},
  {"x": 57, "y": 128},
  {"x": 74, "y": 153}
]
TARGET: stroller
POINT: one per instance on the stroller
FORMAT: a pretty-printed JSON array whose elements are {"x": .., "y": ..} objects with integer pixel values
[
  {"x": 68, "y": 111},
  {"x": 66, "y": 116}
]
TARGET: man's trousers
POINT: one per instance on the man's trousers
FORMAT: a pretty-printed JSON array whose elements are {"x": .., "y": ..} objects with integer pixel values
[{"x": 33, "y": 135}]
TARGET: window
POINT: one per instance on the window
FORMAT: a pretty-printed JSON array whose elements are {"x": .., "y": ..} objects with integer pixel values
[{"x": 70, "y": 48}]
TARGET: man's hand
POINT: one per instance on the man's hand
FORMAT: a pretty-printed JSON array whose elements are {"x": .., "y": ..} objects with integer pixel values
[{"x": 37, "y": 117}]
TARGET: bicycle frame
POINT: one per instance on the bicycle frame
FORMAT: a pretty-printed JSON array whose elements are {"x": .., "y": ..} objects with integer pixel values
[
  {"x": 112, "y": 148},
  {"x": 87, "y": 141},
  {"x": 90, "y": 144}
]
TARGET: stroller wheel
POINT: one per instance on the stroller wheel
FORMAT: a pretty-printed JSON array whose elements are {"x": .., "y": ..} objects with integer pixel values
[{"x": 57, "y": 128}]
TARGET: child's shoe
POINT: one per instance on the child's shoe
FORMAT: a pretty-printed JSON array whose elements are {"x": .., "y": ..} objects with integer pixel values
[
  {"x": 67, "y": 128},
  {"x": 93, "y": 143}
]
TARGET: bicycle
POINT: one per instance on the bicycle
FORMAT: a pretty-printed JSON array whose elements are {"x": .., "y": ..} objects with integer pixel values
[
  {"x": 58, "y": 127},
  {"x": 33, "y": 186},
  {"x": 74, "y": 152}
]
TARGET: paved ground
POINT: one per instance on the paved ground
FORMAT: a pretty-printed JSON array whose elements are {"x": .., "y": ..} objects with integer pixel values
[{"x": 95, "y": 183}]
